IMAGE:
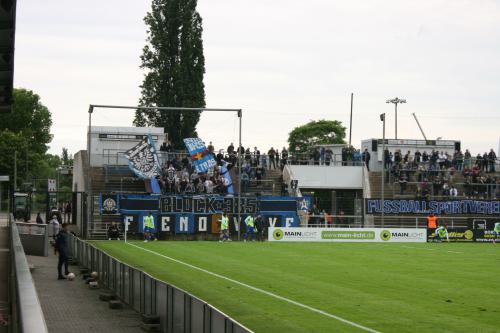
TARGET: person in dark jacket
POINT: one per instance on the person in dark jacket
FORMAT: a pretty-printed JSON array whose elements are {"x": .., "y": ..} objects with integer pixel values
[
  {"x": 62, "y": 243},
  {"x": 113, "y": 232},
  {"x": 39, "y": 219},
  {"x": 261, "y": 227},
  {"x": 366, "y": 158}
]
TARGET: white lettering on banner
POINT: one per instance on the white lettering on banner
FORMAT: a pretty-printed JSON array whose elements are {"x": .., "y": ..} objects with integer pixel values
[
  {"x": 126, "y": 221},
  {"x": 288, "y": 221},
  {"x": 272, "y": 221},
  {"x": 183, "y": 223},
  {"x": 202, "y": 223},
  {"x": 236, "y": 224},
  {"x": 165, "y": 223}
]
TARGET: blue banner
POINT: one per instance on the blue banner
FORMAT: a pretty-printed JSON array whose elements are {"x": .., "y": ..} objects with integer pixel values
[
  {"x": 143, "y": 160},
  {"x": 201, "y": 159},
  {"x": 227, "y": 178},
  {"x": 438, "y": 207}
]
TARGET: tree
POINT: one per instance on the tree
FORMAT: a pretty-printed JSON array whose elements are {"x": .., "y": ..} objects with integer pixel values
[
  {"x": 29, "y": 118},
  {"x": 303, "y": 138},
  {"x": 66, "y": 158},
  {"x": 174, "y": 64},
  {"x": 25, "y": 134},
  {"x": 12, "y": 144}
]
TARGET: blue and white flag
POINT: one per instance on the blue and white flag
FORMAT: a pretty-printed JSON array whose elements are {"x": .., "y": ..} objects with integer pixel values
[
  {"x": 228, "y": 181},
  {"x": 201, "y": 159},
  {"x": 143, "y": 160}
]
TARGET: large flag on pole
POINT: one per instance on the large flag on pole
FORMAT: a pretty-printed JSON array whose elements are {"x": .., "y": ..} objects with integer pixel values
[
  {"x": 143, "y": 160},
  {"x": 201, "y": 159}
]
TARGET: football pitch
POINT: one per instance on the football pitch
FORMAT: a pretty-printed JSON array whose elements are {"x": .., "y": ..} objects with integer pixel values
[{"x": 326, "y": 287}]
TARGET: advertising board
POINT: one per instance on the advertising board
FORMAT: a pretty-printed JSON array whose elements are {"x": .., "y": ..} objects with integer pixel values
[{"x": 382, "y": 235}]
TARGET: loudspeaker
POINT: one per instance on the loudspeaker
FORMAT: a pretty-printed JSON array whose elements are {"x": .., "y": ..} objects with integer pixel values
[
  {"x": 374, "y": 145},
  {"x": 457, "y": 145}
]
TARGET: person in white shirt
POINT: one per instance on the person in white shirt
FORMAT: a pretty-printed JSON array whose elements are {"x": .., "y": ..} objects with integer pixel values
[
  {"x": 453, "y": 192},
  {"x": 54, "y": 223},
  {"x": 209, "y": 186},
  {"x": 55, "y": 227}
]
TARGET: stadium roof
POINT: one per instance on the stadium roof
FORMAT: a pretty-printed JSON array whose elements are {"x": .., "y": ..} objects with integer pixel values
[{"x": 7, "y": 36}]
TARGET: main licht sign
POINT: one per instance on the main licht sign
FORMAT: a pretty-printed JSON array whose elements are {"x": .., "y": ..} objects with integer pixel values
[{"x": 381, "y": 235}]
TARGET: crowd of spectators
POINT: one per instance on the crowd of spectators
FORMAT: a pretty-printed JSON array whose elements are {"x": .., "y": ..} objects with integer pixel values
[
  {"x": 434, "y": 173},
  {"x": 180, "y": 177},
  {"x": 325, "y": 156}
]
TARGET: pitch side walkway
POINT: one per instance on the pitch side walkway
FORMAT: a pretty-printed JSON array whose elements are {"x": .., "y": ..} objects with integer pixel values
[{"x": 70, "y": 306}]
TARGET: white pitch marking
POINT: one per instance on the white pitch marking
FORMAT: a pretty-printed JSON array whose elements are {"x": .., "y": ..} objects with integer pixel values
[
  {"x": 417, "y": 248},
  {"x": 307, "y": 307}
]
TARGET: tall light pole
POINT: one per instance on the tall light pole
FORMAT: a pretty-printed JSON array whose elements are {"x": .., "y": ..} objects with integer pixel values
[
  {"x": 396, "y": 101},
  {"x": 382, "y": 186}
]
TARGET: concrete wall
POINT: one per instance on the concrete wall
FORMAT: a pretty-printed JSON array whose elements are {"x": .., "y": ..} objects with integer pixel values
[
  {"x": 328, "y": 177},
  {"x": 79, "y": 161}
]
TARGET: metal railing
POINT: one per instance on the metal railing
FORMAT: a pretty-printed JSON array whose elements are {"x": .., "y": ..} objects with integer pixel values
[
  {"x": 402, "y": 221},
  {"x": 424, "y": 189},
  {"x": 117, "y": 157},
  {"x": 178, "y": 310},
  {"x": 333, "y": 221},
  {"x": 27, "y": 315}
]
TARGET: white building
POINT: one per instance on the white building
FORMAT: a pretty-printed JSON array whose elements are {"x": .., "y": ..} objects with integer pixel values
[{"x": 108, "y": 143}]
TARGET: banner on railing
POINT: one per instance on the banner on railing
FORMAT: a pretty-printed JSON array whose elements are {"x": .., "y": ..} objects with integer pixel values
[
  {"x": 143, "y": 160},
  {"x": 382, "y": 235},
  {"x": 438, "y": 207},
  {"x": 201, "y": 214},
  {"x": 109, "y": 204},
  {"x": 190, "y": 224},
  {"x": 199, "y": 204},
  {"x": 201, "y": 158}
]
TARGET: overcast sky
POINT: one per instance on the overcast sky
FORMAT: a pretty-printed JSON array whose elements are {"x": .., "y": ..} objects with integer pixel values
[{"x": 284, "y": 62}]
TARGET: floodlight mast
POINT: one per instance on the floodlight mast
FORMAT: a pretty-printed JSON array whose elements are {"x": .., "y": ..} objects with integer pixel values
[
  {"x": 396, "y": 101},
  {"x": 239, "y": 113}
]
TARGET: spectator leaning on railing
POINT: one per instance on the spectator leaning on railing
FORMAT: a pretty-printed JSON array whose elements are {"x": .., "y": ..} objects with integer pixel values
[{"x": 439, "y": 169}]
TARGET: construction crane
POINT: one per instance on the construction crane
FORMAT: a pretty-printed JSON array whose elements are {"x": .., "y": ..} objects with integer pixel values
[{"x": 420, "y": 127}]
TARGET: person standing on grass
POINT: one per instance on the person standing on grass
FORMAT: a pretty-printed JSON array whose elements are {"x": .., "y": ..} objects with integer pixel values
[
  {"x": 62, "y": 243},
  {"x": 441, "y": 233},
  {"x": 250, "y": 223},
  {"x": 149, "y": 226},
  {"x": 496, "y": 232},
  {"x": 224, "y": 228},
  {"x": 431, "y": 224},
  {"x": 259, "y": 224}
]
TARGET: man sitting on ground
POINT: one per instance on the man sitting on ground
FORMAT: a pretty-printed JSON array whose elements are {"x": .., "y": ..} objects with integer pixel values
[{"x": 113, "y": 232}]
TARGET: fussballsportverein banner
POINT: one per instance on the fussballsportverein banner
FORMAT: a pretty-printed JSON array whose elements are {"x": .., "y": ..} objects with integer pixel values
[
  {"x": 381, "y": 235},
  {"x": 458, "y": 207}
]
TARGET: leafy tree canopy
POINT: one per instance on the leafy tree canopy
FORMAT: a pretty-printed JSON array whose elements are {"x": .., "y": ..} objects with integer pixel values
[
  {"x": 302, "y": 139},
  {"x": 30, "y": 119}
]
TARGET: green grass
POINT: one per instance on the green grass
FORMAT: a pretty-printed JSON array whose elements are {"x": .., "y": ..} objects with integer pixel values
[{"x": 386, "y": 287}]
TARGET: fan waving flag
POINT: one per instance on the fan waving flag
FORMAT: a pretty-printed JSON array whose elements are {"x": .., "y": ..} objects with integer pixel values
[
  {"x": 142, "y": 159},
  {"x": 201, "y": 159}
]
